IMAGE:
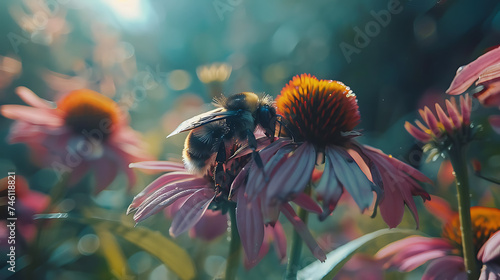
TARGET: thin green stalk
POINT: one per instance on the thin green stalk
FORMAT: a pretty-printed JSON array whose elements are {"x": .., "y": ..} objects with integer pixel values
[
  {"x": 457, "y": 158},
  {"x": 293, "y": 262},
  {"x": 234, "y": 255}
]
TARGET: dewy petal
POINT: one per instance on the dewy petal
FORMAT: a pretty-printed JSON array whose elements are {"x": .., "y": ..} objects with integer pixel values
[
  {"x": 491, "y": 249},
  {"x": 466, "y": 75},
  {"x": 293, "y": 175},
  {"x": 165, "y": 166},
  {"x": 191, "y": 211},
  {"x": 443, "y": 118},
  {"x": 448, "y": 267},
  {"x": 32, "y": 99},
  {"x": 453, "y": 113},
  {"x": 350, "y": 176},
  {"x": 411, "y": 252},
  {"x": 250, "y": 225},
  {"x": 303, "y": 231},
  {"x": 495, "y": 123},
  {"x": 31, "y": 115},
  {"x": 417, "y": 133}
]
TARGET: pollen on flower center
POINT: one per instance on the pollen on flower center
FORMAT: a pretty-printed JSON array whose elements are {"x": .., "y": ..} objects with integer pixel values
[
  {"x": 485, "y": 222},
  {"x": 318, "y": 110},
  {"x": 86, "y": 110}
]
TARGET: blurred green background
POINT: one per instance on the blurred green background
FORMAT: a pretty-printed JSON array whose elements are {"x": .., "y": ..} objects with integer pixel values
[{"x": 145, "y": 55}]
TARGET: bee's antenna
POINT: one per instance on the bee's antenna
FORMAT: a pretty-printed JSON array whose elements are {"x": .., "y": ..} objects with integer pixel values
[{"x": 282, "y": 123}]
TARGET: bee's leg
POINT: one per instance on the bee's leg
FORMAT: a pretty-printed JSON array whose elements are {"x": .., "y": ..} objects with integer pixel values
[
  {"x": 252, "y": 143},
  {"x": 219, "y": 167}
]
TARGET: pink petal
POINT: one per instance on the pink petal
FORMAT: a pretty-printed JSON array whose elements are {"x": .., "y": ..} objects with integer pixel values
[
  {"x": 417, "y": 133},
  {"x": 32, "y": 99},
  {"x": 165, "y": 166},
  {"x": 466, "y": 75},
  {"x": 328, "y": 189},
  {"x": 443, "y": 118},
  {"x": 293, "y": 175},
  {"x": 279, "y": 237},
  {"x": 489, "y": 74},
  {"x": 105, "y": 173},
  {"x": 162, "y": 181},
  {"x": 31, "y": 115},
  {"x": 303, "y": 231},
  {"x": 210, "y": 226},
  {"x": 453, "y": 113},
  {"x": 432, "y": 122},
  {"x": 306, "y": 202},
  {"x": 191, "y": 211},
  {"x": 495, "y": 123},
  {"x": 465, "y": 109},
  {"x": 351, "y": 177},
  {"x": 250, "y": 225},
  {"x": 411, "y": 252},
  {"x": 490, "y": 271},
  {"x": 449, "y": 267},
  {"x": 490, "y": 249}
]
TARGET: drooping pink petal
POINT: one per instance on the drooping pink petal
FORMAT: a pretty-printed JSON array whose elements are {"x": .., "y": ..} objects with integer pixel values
[
  {"x": 491, "y": 249},
  {"x": 279, "y": 238},
  {"x": 491, "y": 73},
  {"x": 32, "y": 99},
  {"x": 105, "y": 173},
  {"x": 443, "y": 118},
  {"x": 411, "y": 252},
  {"x": 328, "y": 189},
  {"x": 466, "y": 75},
  {"x": 306, "y": 202},
  {"x": 164, "y": 166},
  {"x": 448, "y": 267},
  {"x": 191, "y": 211},
  {"x": 210, "y": 226},
  {"x": 303, "y": 231},
  {"x": 293, "y": 175},
  {"x": 31, "y": 115},
  {"x": 350, "y": 176},
  {"x": 495, "y": 123},
  {"x": 250, "y": 225},
  {"x": 417, "y": 133}
]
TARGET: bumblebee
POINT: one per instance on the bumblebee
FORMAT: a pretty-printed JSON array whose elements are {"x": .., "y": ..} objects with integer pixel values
[{"x": 213, "y": 133}]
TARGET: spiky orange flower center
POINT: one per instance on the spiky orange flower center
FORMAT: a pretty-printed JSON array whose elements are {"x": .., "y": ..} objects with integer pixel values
[
  {"x": 485, "y": 222},
  {"x": 318, "y": 110},
  {"x": 86, "y": 110}
]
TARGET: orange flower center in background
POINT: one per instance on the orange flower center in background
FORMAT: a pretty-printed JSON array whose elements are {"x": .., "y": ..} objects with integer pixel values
[
  {"x": 318, "y": 111},
  {"x": 485, "y": 222},
  {"x": 86, "y": 110}
]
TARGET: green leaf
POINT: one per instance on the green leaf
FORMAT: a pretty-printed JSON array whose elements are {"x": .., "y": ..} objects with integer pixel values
[
  {"x": 173, "y": 256},
  {"x": 111, "y": 250},
  {"x": 338, "y": 257}
]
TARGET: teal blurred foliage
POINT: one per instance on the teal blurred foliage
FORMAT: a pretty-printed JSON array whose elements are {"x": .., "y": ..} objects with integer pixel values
[{"x": 144, "y": 55}]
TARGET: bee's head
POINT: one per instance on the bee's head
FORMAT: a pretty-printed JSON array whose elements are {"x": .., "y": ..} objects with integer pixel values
[{"x": 265, "y": 115}]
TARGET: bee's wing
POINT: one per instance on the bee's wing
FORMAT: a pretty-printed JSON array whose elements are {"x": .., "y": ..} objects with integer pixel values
[{"x": 202, "y": 119}]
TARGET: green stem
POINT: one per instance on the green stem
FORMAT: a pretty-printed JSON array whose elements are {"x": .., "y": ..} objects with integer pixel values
[
  {"x": 457, "y": 158},
  {"x": 296, "y": 250},
  {"x": 234, "y": 255}
]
